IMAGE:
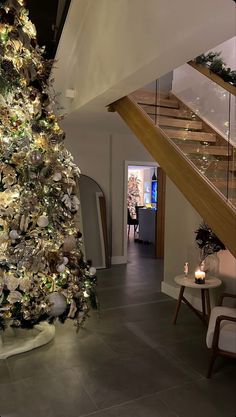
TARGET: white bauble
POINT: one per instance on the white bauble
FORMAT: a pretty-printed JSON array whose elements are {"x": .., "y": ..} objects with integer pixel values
[
  {"x": 57, "y": 176},
  {"x": 61, "y": 268},
  {"x": 43, "y": 221},
  {"x": 65, "y": 260},
  {"x": 92, "y": 271},
  {"x": 58, "y": 302},
  {"x": 13, "y": 234}
]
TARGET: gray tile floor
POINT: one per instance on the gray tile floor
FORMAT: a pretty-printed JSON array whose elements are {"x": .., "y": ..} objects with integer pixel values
[{"x": 127, "y": 362}]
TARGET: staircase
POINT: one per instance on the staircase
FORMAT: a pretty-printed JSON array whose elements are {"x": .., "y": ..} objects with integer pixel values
[
  {"x": 194, "y": 156},
  {"x": 210, "y": 153}
]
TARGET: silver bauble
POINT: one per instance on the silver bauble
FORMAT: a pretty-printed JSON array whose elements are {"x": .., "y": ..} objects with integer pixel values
[
  {"x": 36, "y": 158},
  {"x": 57, "y": 176},
  {"x": 58, "y": 302},
  {"x": 92, "y": 271},
  {"x": 43, "y": 221},
  {"x": 69, "y": 244},
  {"x": 13, "y": 234},
  {"x": 61, "y": 268}
]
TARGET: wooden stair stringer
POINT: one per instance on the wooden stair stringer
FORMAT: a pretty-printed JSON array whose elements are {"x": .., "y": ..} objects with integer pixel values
[{"x": 210, "y": 204}]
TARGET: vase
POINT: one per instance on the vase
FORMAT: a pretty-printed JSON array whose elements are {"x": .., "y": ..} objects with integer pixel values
[{"x": 211, "y": 264}]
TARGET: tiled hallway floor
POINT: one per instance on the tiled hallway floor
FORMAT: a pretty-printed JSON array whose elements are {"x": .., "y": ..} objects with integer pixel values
[{"x": 129, "y": 362}]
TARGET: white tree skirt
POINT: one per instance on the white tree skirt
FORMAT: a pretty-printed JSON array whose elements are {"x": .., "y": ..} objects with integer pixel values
[{"x": 15, "y": 341}]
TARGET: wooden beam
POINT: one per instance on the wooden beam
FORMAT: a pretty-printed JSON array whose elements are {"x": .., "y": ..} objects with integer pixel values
[
  {"x": 210, "y": 204},
  {"x": 213, "y": 77}
]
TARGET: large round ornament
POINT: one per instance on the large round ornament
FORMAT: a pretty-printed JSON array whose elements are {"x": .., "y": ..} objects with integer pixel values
[
  {"x": 92, "y": 271},
  {"x": 13, "y": 235},
  {"x": 36, "y": 158},
  {"x": 58, "y": 302},
  {"x": 43, "y": 221},
  {"x": 57, "y": 176},
  {"x": 61, "y": 268},
  {"x": 69, "y": 244}
]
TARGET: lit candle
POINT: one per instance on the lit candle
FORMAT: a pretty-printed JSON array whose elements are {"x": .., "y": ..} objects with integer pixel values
[{"x": 200, "y": 276}]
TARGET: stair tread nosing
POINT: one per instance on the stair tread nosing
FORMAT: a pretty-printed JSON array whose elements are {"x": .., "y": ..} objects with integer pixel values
[
  {"x": 222, "y": 166},
  {"x": 165, "y": 111},
  {"x": 204, "y": 150},
  {"x": 219, "y": 182},
  {"x": 149, "y": 98},
  {"x": 186, "y": 134},
  {"x": 180, "y": 123}
]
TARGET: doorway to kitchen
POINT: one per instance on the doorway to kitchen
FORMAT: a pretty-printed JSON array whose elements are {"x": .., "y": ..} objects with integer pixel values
[{"x": 143, "y": 210}]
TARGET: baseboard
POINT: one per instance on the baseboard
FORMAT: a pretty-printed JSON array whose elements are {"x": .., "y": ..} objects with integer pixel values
[
  {"x": 116, "y": 260},
  {"x": 174, "y": 293}
]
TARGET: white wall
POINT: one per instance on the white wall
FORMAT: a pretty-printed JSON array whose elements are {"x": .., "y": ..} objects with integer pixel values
[
  {"x": 109, "y": 48},
  {"x": 181, "y": 221},
  {"x": 205, "y": 97}
]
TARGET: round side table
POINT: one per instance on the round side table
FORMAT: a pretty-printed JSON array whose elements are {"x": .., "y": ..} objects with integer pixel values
[{"x": 189, "y": 282}]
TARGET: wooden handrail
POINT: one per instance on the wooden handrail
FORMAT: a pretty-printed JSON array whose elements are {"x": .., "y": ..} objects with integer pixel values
[
  {"x": 220, "y": 215},
  {"x": 214, "y": 77}
]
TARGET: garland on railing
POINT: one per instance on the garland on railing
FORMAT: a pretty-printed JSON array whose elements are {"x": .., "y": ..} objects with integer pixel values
[{"x": 215, "y": 63}]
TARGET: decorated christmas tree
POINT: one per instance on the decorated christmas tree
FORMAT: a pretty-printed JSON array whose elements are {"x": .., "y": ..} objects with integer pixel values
[
  {"x": 133, "y": 198},
  {"x": 42, "y": 271}
]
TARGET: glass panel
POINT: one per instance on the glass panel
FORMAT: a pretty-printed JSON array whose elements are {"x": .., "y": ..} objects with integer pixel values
[
  {"x": 199, "y": 117},
  {"x": 215, "y": 106}
]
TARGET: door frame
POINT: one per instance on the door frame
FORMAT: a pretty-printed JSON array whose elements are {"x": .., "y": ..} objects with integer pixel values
[{"x": 126, "y": 165}]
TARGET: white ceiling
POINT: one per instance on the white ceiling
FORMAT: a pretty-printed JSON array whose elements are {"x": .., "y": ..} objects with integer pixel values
[{"x": 110, "y": 48}]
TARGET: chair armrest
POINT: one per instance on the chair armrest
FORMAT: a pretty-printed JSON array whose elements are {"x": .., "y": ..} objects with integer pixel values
[
  {"x": 217, "y": 329},
  {"x": 224, "y": 295}
]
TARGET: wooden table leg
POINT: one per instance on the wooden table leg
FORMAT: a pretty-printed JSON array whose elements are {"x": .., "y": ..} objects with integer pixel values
[
  {"x": 203, "y": 302},
  {"x": 182, "y": 288},
  {"x": 208, "y": 304}
]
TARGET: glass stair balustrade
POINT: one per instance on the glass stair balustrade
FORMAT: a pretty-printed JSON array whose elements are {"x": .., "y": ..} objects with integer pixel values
[{"x": 211, "y": 151}]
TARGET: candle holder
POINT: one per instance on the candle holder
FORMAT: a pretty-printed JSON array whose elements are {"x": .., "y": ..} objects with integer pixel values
[
  {"x": 199, "y": 280},
  {"x": 200, "y": 277}
]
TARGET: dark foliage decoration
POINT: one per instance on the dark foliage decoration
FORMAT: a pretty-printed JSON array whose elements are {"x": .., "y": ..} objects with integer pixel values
[
  {"x": 215, "y": 63},
  {"x": 207, "y": 241}
]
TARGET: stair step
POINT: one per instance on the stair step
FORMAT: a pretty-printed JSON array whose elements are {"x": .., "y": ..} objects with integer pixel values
[
  {"x": 232, "y": 201},
  {"x": 221, "y": 183},
  {"x": 223, "y": 166},
  {"x": 188, "y": 135},
  {"x": 149, "y": 97},
  {"x": 181, "y": 123},
  {"x": 153, "y": 110},
  {"x": 204, "y": 150}
]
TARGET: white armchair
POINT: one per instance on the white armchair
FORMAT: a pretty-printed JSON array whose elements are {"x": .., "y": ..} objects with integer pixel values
[{"x": 221, "y": 333}]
